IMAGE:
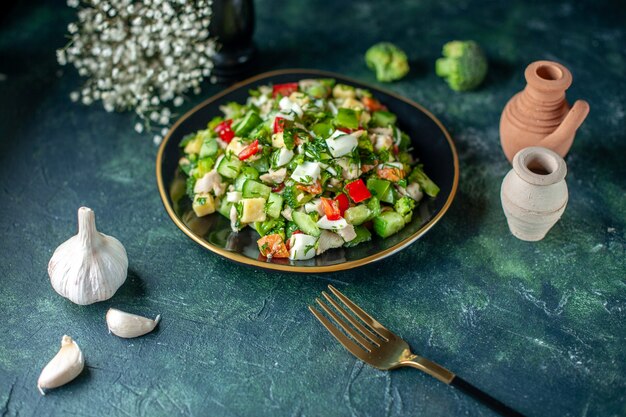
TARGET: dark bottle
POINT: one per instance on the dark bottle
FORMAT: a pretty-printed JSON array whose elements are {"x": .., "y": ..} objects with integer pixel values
[{"x": 232, "y": 24}]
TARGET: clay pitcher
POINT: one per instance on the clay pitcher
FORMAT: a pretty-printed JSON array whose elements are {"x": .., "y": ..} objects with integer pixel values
[
  {"x": 539, "y": 115},
  {"x": 534, "y": 193}
]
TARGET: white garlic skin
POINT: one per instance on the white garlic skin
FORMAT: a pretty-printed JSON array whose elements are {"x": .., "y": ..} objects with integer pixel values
[
  {"x": 128, "y": 325},
  {"x": 90, "y": 266},
  {"x": 66, "y": 365}
]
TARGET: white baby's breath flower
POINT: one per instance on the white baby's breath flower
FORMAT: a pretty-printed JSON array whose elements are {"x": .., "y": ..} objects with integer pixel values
[
  {"x": 139, "y": 55},
  {"x": 139, "y": 127}
]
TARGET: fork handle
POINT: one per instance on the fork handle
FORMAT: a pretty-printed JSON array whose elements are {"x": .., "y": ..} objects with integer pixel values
[{"x": 484, "y": 398}]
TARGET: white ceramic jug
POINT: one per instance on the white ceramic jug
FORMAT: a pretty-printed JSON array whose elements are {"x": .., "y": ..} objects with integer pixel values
[{"x": 534, "y": 193}]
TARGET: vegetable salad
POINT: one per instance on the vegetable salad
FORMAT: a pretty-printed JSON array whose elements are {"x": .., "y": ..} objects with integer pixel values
[{"x": 310, "y": 165}]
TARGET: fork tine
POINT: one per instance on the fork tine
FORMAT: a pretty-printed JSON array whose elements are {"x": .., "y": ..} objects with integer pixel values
[
  {"x": 367, "y": 345},
  {"x": 352, "y": 347},
  {"x": 352, "y": 320},
  {"x": 369, "y": 320}
]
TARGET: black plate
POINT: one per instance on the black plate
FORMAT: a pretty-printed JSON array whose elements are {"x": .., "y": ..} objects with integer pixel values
[{"x": 431, "y": 142}]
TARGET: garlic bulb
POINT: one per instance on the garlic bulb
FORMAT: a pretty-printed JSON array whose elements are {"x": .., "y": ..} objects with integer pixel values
[
  {"x": 128, "y": 325},
  {"x": 90, "y": 266},
  {"x": 66, "y": 365}
]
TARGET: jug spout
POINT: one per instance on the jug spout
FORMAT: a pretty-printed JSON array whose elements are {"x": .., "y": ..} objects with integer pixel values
[{"x": 561, "y": 139}]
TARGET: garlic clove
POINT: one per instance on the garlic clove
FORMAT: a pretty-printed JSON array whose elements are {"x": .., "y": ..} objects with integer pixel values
[
  {"x": 128, "y": 325},
  {"x": 90, "y": 266},
  {"x": 66, "y": 365}
]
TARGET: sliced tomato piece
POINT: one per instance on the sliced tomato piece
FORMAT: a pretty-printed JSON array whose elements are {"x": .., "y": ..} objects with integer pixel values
[
  {"x": 278, "y": 188},
  {"x": 279, "y": 124},
  {"x": 284, "y": 89},
  {"x": 371, "y": 104},
  {"x": 249, "y": 150},
  {"x": 225, "y": 131},
  {"x": 331, "y": 209}
]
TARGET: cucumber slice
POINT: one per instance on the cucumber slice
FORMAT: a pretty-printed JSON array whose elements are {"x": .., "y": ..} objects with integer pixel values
[
  {"x": 357, "y": 215},
  {"x": 247, "y": 124},
  {"x": 247, "y": 172},
  {"x": 208, "y": 148},
  {"x": 274, "y": 205},
  {"x": 253, "y": 189},
  {"x": 388, "y": 223},
  {"x": 229, "y": 167},
  {"x": 305, "y": 223},
  {"x": 224, "y": 208}
]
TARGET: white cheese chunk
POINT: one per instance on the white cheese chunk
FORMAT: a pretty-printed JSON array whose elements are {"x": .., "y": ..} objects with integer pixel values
[
  {"x": 340, "y": 145},
  {"x": 284, "y": 157},
  {"x": 314, "y": 206},
  {"x": 287, "y": 105},
  {"x": 306, "y": 172},
  {"x": 302, "y": 246},
  {"x": 324, "y": 223},
  {"x": 233, "y": 196}
]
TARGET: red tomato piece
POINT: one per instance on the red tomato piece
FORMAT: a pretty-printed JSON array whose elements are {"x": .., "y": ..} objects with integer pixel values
[
  {"x": 249, "y": 150},
  {"x": 331, "y": 209},
  {"x": 284, "y": 89},
  {"x": 279, "y": 124},
  {"x": 225, "y": 131},
  {"x": 278, "y": 188},
  {"x": 371, "y": 104}
]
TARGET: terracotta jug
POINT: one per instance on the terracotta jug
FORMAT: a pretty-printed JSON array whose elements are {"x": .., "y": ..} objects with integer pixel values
[
  {"x": 534, "y": 193},
  {"x": 539, "y": 115}
]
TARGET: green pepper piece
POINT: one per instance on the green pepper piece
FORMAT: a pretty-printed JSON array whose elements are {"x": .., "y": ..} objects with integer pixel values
[
  {"x": 347, "y": 118},
  {"x": 383, "y": 118},
  {"x": 381, "y": 189},
  {"x": 322, "y": 130}
]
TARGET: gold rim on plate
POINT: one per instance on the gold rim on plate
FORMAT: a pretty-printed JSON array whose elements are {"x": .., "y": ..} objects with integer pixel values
[{"x": 237, "y": 257}]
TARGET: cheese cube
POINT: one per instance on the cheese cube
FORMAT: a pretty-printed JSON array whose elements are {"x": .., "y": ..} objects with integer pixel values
[
  {"x": 253, "y": 210},
  {"x": 277, "y": 140},
  {"x": 203, "y": 204}
]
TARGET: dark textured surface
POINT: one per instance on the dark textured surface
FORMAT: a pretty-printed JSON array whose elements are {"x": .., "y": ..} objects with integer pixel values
[{"x": 538, "y": 325}]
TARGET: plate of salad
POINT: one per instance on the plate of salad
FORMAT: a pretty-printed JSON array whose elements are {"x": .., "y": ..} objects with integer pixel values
[{"x": 306, "y": 171}]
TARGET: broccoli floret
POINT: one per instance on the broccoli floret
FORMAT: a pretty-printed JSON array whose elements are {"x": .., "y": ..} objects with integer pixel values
[
  {"x": 419, "y": 176},
  {"x": 190, "y": 185},
  {"x": 389, "y": 61},
  {"x": 463, "y": 66},
  {"x": 404, "y": 205}
]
